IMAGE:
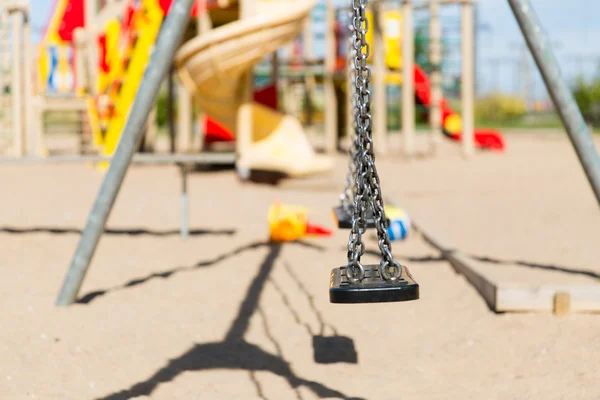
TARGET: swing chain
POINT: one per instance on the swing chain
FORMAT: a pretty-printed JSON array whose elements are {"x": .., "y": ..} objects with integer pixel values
[{"x": 368, "y": 188}]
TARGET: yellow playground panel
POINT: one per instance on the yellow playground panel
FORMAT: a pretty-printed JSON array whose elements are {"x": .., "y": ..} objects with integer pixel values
[
  {"x": 392, "y": 37},
  {"x": 126, "y": 48},
  {"x": 128, "y": 45}
]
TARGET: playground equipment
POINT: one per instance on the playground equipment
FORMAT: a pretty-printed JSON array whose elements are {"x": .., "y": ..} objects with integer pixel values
[
  {"x": 124, "y": 48},
  {"x": 563, "y": 99},
  {"x": 451, "y": 122},
  {"x": 213, "y": 68},
  {"x": 389, "y": 281},
  {"x": 158, "y": 67},
  {"x": 393, "y": 41},
  {"x": 92, "y": 59},
  {"x": 15, "y": 80}
]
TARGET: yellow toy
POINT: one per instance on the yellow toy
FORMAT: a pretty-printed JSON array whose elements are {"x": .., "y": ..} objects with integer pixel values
[{"x": 289, "y": 222}]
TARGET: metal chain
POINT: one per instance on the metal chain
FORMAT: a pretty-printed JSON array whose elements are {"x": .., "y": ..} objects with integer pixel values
[
  {"x": 347, "y": 196},
  {"x": 368, "y": 188}
]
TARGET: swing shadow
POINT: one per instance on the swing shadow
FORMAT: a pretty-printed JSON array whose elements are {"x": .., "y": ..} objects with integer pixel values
[
  {"x": 326, "y": 349},
  {"x": 234, "y": 352},
  {"x": 91, "y": 296},
  {"x": 496, "y": 261},
  {"x": 115, "y": 231},
  {"x": 423, "y": 260},
  {"x": 529, "y": 264}
]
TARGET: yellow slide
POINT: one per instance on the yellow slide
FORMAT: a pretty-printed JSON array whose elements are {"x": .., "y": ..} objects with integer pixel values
[{"x": 212, "y": 67}]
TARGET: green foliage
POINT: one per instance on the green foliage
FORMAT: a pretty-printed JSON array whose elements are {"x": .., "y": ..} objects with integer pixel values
[
  {"x": 587, "y": 96},
  {"x": 499, "y": 108},
  {"x": 422, "y": 47},
  {"x": 162, "y": 111}
]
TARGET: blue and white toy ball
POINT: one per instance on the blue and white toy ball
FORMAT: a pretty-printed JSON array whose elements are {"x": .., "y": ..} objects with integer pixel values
[{"x": 400, "y": 225}]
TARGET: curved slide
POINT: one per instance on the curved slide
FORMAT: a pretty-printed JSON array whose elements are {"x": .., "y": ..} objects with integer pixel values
[
  {"x": 212, "y": 67},
  {"x": 452, "y": 124}
]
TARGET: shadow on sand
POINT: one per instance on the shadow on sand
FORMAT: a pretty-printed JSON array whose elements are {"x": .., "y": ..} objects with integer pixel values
[
  {"x": 114, "y": 231},
  {"x": 546, "y": 267},
  {"x": 234, "y": 352}
]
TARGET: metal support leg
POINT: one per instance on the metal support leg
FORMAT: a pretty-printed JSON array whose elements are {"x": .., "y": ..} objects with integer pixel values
[
  {"x": 185, "y": 205},
  {"x": 171, "y": 110},
  {"x": 565, "y": 104},
  {"x": 158, "y": 67}
]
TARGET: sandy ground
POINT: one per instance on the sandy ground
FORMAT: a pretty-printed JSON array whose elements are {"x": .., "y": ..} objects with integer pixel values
[{"x": 224, "y": 315}]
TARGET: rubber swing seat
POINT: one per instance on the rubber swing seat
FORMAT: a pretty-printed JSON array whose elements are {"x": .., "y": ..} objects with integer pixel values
[
  {"x": 343, "y": 219},
  {"x": 372, "y": 289}
]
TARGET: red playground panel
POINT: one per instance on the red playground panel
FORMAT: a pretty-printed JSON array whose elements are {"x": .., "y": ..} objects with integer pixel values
[{"x": 215, "y": 132}]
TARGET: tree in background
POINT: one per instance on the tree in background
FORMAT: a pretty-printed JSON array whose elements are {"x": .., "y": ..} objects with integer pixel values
[{"x": 587, "y": 96}]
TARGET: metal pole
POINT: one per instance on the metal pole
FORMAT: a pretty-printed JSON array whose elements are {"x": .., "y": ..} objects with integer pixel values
[
  {"x": 159, "y": 65},
  {"x": 562, "y": 97},
  {"x": 185, "y": 204}
]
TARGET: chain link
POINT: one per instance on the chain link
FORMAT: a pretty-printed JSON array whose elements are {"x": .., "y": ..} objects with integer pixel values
[{"x": 366, "y": 180}]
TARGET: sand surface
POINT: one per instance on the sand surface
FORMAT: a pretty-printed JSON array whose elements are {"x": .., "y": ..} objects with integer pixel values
[{"x": 224, "y": 315}]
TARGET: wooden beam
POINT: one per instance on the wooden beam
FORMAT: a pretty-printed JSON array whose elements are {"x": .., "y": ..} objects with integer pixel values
[
  {"x": 435, "y": 58},
  {"x": 379, "y": 87},
  {"x": 350, "y": 85},
  {"x": 331, "y": 109},
  {"x": 70, "y": 103},
  {"x": 17, "y": 83},
  {"x": 151, "y": 132},
  {"x": 184, "y": 118},
  {"x": 96, "y": 21},
  {"x": 244, "y": 115},
  {"x": 468, "y": 80},
  {"x": 515, "y": 296},
  {"x": 408, "y": 86},
  {"x": 203, "y": 21},
  {"x": 28, "y": 61}
]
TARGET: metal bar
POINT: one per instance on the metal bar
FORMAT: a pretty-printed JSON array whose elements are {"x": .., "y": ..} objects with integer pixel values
[
  {"x": 164, "y": 52},
  {"x": 148, "y": 159},
  {"x": 171, "y": 109},
  {"x": 560, "y": 93}
]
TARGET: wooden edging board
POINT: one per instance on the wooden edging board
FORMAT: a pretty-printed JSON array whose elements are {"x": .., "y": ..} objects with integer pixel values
[{"x": 518, "y": 297}]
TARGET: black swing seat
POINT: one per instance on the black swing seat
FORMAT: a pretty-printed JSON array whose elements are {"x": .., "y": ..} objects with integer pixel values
[
  {"x": 343, "y": 219},
  {"x": 373, "y": 288}
]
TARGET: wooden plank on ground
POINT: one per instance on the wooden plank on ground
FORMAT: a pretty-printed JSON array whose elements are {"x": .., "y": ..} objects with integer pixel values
[{"x": 517, "y": 296}]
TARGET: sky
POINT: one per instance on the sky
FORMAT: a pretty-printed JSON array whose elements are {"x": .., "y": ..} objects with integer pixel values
[{"x": 571, "y": 25}]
